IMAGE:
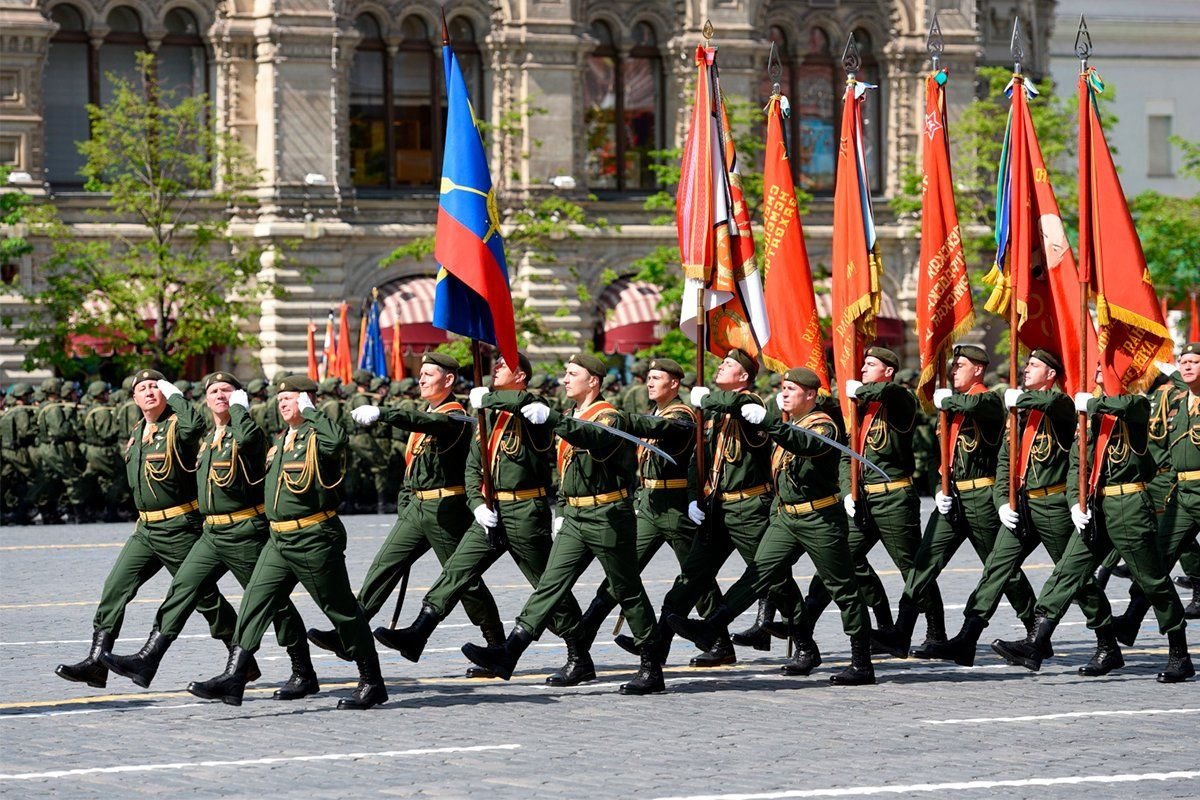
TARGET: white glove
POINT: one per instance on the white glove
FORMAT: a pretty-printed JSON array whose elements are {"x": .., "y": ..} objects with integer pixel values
[
  {"x": 476, "y": 396},
  {"x": 365, "y": 415},
  {"x": 536, "y": 413},
  {"x": 944, "y": 503},
  {"x": 303, "y": 402},
  {"x": 779, "y": 401},
  {"x": 852, "y": 387},
  {"x": 698, "y": 395},
  {"x": 239, "y": 398},
  {"x": 753, "y": 413},
  {"x": 1080, "y": 517},
  {"x": 1008, "y": 517},
  {"x": 848, "y": 502},
  {"x": 1165, "y": 368},
  {"x": 485, "y": 516},
  {"x": 1081, "y": 401},
  {"x": 168, "y": 389},
  {"x": 1010, "y": 397},
  {"x": 695, "y": 514},
  {"x": 940, "y": 396},
  {"x": 556, "y": 523}
]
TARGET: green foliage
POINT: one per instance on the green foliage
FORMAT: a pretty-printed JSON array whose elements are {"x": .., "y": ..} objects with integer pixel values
[
  {"x": 1169, "y": 228},
  {"x": 13, "y": 211},
  {"x": 179, "y": 284}
]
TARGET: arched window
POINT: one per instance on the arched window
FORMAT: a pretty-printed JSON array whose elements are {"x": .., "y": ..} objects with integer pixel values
[
  {"x": 622, "y": 110},
  {"x": 873, "y": 121},
  {"x": 118, "y": 54},
  {"x": 816, "y": 105},
  {"x": 398, "y": 102},
  {"x": 182, "y": 58},
  {"x": 70, "y": 63},
  {"x": 787, "y": 85}
]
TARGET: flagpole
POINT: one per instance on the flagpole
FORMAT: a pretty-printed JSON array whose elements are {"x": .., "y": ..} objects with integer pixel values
[
  {"x": 1014, "y": 445},
  {"x": 489, "y": 494},
  {"x": 1083, "y": 49},
  {"x": 702, "y": 343},
  {"x": 851, "y": 61},
  {"x": 935, "y": 44}
]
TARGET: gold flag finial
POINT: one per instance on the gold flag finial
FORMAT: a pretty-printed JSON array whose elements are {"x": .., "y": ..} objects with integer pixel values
[{"x": 708, "y": 30}]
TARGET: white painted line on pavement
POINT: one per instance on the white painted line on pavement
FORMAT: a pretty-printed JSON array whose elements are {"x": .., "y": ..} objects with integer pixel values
[
  {"x": 99, "y": 711},
  {"x": 859, "y": 791},
  {"x": 1064, "y": 715},
  {"x": 249, "y": 762}
]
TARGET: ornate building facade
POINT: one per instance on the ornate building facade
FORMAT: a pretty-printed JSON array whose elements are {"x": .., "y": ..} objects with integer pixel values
[{"x": 341, "y": 103}]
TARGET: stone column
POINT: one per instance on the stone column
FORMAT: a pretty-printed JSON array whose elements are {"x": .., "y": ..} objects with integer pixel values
[{"x": 24, "y": 36}]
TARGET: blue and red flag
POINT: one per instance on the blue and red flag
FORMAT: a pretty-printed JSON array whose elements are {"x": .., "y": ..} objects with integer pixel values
[
  {"x": 472, "y": 296},
  {"x": 374, "y": 357}
]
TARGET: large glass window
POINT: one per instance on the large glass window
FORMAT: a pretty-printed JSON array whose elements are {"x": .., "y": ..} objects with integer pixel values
[
  {"x": 622, "y": 110},
  {"x": 66, "y": 88},
  {"x": 873, "y": 121},
  {"x": 815, "y": 104},
  {"x": 182, "y": 58}
]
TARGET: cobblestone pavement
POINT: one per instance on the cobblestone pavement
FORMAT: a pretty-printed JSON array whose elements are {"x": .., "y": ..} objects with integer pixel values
[{"x": 744, "y": 730}]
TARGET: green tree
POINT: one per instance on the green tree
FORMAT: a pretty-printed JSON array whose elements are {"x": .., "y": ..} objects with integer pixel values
[
  {"x": 178, "y": 283},
  {"x": 14, "y": 208},
  {"x": 1169, "y": 228}
]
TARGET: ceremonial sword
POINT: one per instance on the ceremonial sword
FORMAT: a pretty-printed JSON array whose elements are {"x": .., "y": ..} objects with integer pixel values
[{"x": 658, "y": 451}]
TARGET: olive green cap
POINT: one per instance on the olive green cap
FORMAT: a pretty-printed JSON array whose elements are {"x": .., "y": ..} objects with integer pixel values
[
  {"x": 377, "y": 384},
  {"x": 407, "y": 383},
  {"x": 885, "y": 355},
  {"x": 1049, "y": 359},
  {"x": 972, "y": 352},
  {"x": 1191, "y": 349},
  {"x": 748, "y": 363},
  {"x": 537, "y": 381},
  {"x": 297, "y": 383},
  {"x": 395, "y": 388},
  {"x": 447, "y": 362},
  {"x": 21, "y": 390},
  {"x": 96, "y": 388},
  {"x": 803, "y": 376},
  {"x": 147, "y": 375},
  {"x": 590, "y": 363},
  {"x": 639, "y": 368},
  {"x": 362, "y": 376},
  {"x": 183, "y": 386},
  {"x": 255, "y": 386},
  {"x": 667, "y": 365},
  {"x": 222, "y": 377},
  {"x": 52, "y": 385}
]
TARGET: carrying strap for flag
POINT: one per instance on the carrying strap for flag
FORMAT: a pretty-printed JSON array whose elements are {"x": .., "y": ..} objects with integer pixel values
[
  {"x": 566, "y": 450},
  {"x": 867, "y": 420},
  {"x": 957, "y": 423},
  {"x": 416, "y": 439},
  {"x": 498, "y": 429},
  {"x": 1108, "y": 424},
  {"x": 1032, "y": 424},
  {"x": 643, "y": 453}
]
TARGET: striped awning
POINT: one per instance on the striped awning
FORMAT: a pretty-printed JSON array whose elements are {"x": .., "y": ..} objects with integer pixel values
[
  {"x": 631, "y": 316},
  {"x": 410, "y": 300}
]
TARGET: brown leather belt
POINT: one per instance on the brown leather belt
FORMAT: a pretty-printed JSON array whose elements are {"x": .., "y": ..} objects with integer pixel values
[
  {"x": 1046, "y": 491},
  {"x": 168, "y": 513},
  {"x": 808, "y": 508},
  {"x": 745, "y": 494},
  {"x": 890, "y": 486},
  {"x": 1123, "y": 488},
  {"x": 974, "y": 483},
  {"x": 437, "y": 494},
  {"x": 669, "y": 483},
  {"x": 236, "y": 516},
  {"x": 598, "y": 499},
  {"x": 522, "y": 494},
  {"x": 288, "y": 525}
]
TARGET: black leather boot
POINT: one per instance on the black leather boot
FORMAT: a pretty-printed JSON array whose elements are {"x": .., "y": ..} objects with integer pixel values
[
  {"x": 500, "y": 660},
  {"x": 883, "y": 615},
  {"x": 757, "y": 635},
  {"x": 1030, "y": 624},
  {"x": 649, "y": 678},
  {"x": 860, "y": 672},
  {"x": 1028, "y": 652},
  {"x": 230, "y": 685},
  {"x": 1126, "y": 626},
  {"x": 663, "y": 647},
  {"x": 961, "y": 648},
  {"x": 1103, "y": 573},
  {"x": 719, "y": 654},
  {"x": 1186, "y": 582},
  {"x": 494, "y": 638},
  {"x": 578, "y": 669},
  {"x": 935, "y": 632},
  {"x": 142, "y": 665},
  {"x": 91, "y": 670},
  {"x": 806, "y": 656},
  {"x": 590, "y": 622},
  {"x": 1122, "y": 571},
  {"x": 411, "y": 641},
  {"x": 1179, "y": 663},
  {"x": 897, "y": 639},
  {"x": 1107, "y": 656},
  {"x": 303, "y": 680},
  {"x": 1192, "y": 610},
  {"x": 329, "y": 640},
  {"x": 252, "y": 671},
  {"x": 371, "y": 690},
  {"x": 704, "y": 633}
]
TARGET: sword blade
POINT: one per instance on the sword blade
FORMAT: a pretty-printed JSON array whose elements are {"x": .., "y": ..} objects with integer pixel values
[
  {"x": 658, "y": 451},
  {"x": 838, "y": 445},
  {"x": 463, "y": 418}
]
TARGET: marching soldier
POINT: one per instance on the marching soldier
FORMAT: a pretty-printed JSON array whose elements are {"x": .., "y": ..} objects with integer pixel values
[
  {"x": 519, "y": 522},
  {"x": 229, "y": 482},
  {"x": 597, "y": 522},
  {"x": 636, "y": 398},
  {"x": 307, "y": 545},
  {"x": 1046, "y": 420},
  {"x": 432, "y": 511},
  {"x": 976, "y": 427},
  {"x": 101, "y": 484},
  {"x": 57, "y": 453},
  {"x": 887, "y": 510},
  {"x": 18, "y": 434},
  {"x": 1118, "y": 514},
  {"x": 806, "y": 520},
  {"x": 158, "y": 459},
  {"x": 366, "y": 455},
  {"x": 661, "y": 502}
]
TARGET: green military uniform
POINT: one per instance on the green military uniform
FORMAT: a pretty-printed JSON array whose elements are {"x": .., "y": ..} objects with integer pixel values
[
  {"x": 636, "y": 399},
  {"x": 18, "y": 435},
  {"x": 157, "y": 456},
  {"x": 432, "y": 508},
  {"x": 366, "y": 482},
  {"x": 57, "y": 454},
  {"x": 887, "y": 510},
  {"x": 976, "y": 427},
  {"x": 102, "y": 484}
]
